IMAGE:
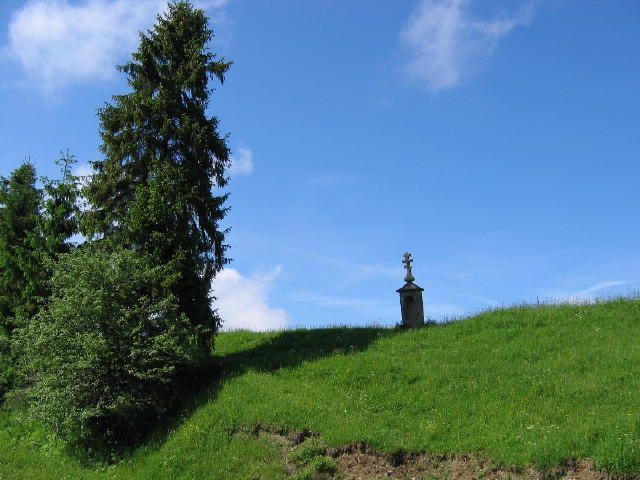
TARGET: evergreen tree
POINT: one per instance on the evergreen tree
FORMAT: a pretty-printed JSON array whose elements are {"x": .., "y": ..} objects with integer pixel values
[
  {"x": 60, "y": 210},
  {"x": 163, "y": 156},
  {"x": 21, "y": 274}
]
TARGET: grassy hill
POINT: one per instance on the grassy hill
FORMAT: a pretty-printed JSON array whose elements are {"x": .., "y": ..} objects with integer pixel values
[{"x": 523, "y": 386}]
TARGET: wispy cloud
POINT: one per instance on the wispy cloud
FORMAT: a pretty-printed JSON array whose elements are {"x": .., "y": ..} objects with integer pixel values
[
  {"x": 243, "y": 304},
  {"x": 446, "y": 41},
  {"x": 439, "y": 311},
  {"x": 242, "y": 162},
  {"x": 588, "y": 293},
  {"x": 58, "y": 43},
  {"x": 380, "y": 309},
  {"x": 331, "y": 180},
  {"x": 599, "y": 290},
  {"x": 351, "y": 272},
  {"x": 360, "y": 272},
  {"x": 362, "y": 305}
]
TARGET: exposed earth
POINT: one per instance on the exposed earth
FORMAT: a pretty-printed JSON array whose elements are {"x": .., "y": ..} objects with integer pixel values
[
  {"x": 361, "y": 463},
  {"x": 356, "y": 461}
]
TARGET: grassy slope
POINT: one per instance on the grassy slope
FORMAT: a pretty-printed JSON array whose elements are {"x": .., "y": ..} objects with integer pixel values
[{"x": 521, "y": 385}]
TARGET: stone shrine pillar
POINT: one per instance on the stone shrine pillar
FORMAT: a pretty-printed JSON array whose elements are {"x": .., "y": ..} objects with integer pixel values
[{"x": 411, "y": 298}]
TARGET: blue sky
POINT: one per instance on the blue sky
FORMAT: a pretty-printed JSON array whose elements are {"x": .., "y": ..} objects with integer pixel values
[{"x": 498, "y": 142}]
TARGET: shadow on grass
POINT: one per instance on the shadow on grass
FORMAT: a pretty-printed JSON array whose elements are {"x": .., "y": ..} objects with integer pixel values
[
  {"x": 287, "y": 349},
  {"x": 291, "y": 348}
]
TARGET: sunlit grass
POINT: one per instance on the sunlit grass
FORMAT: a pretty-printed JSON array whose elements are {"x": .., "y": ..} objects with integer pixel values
[{"x": 520, "y": 385}]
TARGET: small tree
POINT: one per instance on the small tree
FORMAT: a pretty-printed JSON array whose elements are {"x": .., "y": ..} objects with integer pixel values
[
  {"x": 22, "y": 280},
  {"x": 60, "y": 210},
  {"x": 163, "y": 157},
  {"x": 21, "y": 276},
  {"x": 103, "y": 353}
]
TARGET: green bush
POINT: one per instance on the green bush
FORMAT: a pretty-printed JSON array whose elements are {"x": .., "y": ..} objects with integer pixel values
[
  {"x": 6, "y": 366},
  {"x": 105, "y": 351}
]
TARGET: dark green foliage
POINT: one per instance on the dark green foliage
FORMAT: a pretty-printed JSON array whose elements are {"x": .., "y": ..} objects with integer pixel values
[
  {"x": 130, "y": 312},
  {"x": 21, "y": 274},
  {"x": 60, "y": 210},
  {"x": 22, "y": 278},
  {"x": 6, "y": 364},
  {"x": 31, "y": 229},
  {"x": 103, "y": 352},
  {"x": 163, "y": 156}
]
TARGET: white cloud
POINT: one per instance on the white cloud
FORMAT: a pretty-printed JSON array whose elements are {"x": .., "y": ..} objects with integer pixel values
[
  {"x": 58, "y": 43},
  {"x": 446, "y": 41},
  {"x": 84, "y": 171},
  {"x": 242, "y": 301},
  {"x": 242, "y": 163}
]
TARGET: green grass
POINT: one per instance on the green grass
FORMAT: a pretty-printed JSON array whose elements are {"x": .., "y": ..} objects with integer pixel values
[{"x": 519, "y": 385}]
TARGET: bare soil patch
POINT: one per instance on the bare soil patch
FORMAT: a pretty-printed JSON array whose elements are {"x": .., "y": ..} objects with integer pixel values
[
  {"x": 360, "y": 462},
  {"x": 357, "y": 461}
]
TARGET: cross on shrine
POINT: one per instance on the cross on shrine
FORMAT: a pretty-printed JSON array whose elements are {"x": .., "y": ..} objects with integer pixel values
[
  {"x": 407, "y": 265},
  {"x": 411, "y": 306}
]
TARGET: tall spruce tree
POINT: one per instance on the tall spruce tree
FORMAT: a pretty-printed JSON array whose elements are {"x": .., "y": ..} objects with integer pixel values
[
  {"x": 163, "y": 156},
  {"x": 21, "y": 275}
]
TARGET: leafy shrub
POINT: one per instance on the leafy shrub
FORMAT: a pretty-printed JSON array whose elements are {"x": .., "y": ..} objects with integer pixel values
[
  {"x": 6, "y": 366},
  {"x": 106, "y": 350}
]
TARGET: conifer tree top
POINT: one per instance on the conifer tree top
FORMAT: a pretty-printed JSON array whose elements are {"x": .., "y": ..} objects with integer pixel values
[{"x": 163, "y": 159}]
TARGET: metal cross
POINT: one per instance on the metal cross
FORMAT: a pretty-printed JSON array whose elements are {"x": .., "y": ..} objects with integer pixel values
[{"x": 407, "y": 265}]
